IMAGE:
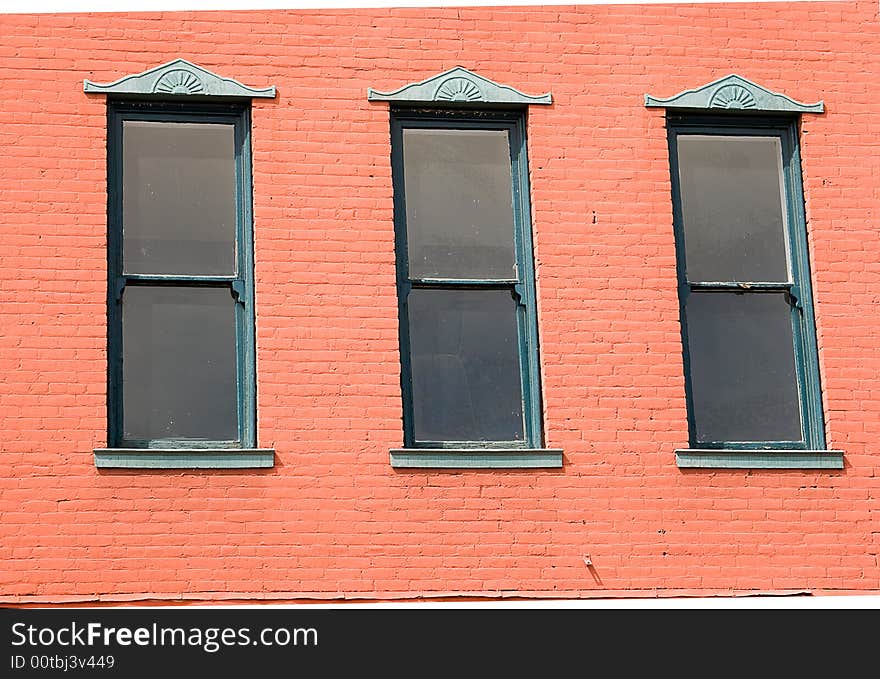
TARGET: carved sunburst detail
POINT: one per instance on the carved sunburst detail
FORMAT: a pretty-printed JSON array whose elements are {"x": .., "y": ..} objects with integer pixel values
[
  {"x": 179, "y": 82},
  {"x": 458, "y": 89},
  {"x": 733, "y": 96}
]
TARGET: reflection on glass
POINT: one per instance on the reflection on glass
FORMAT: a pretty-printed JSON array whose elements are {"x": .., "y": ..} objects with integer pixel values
[
  {"x": 178, "y": 198},
  {"x": 731, "y": 202},
  {"x": 743, "y": 381},
  {"x": 178, "y": 364},
  {"x": 459, "y": 203},
  {"x": 465, "y": 365}
]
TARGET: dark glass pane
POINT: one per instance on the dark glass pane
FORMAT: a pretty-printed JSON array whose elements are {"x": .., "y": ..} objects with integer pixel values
[
  {"x": 465, "y": 365},
  {"x": 731, "y": 203},
  {"x": 742, "y": 367},
  {"x": 178, "y": 363},
  {"x": 459, "y": 204},
  {"x": 178, "y": 198}
]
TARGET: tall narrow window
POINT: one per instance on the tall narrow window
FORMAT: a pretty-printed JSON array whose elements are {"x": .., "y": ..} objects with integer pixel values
[
  {"x": 750, "y": 350},
  {"x": 181, "y": 306},
  {"x": 465, "y": 281}
]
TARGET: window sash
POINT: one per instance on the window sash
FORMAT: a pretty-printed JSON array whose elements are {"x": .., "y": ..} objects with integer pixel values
[
  {"x": 781, "y": 205},
  {"x": 522, "y": 286},
  {"x": 240, "y": 283},
  {"x": 797, "y": 288}
]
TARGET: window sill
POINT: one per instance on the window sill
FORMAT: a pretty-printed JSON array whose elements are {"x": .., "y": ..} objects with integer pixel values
[
  {"x": 758, "y": 459},
  {"x": 184, "y": 458},
  {"x": 470, "y": 458}
]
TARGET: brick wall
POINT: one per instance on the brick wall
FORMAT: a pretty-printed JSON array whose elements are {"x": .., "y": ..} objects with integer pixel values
[{"x": 332, "y": 518}]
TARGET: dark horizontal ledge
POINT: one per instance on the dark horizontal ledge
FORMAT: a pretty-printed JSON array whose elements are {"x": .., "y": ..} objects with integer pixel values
[
  {"x": 467, "y": 282},
  {"x": 175, "y": 278},
  {"x": 184, "y": 458},
  {"x": 470, "y": 458},
  {"x": 759, "y": 459},
  {"x": 739, "y": 286}
]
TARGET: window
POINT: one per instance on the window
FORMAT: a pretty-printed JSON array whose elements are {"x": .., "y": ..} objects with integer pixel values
[
  {"x": 180, "y": 270},
  {"x": 751, "y": 368},
  {"x": 468, "y": 329},
  {"x": 181, "y": 316}
]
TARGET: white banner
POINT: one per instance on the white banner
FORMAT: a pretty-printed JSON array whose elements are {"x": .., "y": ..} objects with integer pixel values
[{"x": 47, "y": 6}]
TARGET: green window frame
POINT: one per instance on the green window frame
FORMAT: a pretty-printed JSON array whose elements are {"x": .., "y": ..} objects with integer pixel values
[
  {"x": 186, "y": 452},
  {"x": 509, "y": 451},
  {"x": 807, "y": 450}
]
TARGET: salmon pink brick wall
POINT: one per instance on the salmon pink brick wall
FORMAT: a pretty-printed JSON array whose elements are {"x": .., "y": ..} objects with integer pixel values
[{"x": 333, "y": 519}]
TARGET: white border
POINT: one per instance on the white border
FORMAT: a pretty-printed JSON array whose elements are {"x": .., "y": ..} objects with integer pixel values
[
  {"x": 836, "y": 601},
  {"x": 74, "y": 6}
]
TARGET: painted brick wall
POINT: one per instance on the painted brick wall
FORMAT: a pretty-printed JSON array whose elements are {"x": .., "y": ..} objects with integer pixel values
[{"x": 333, "y": 519}]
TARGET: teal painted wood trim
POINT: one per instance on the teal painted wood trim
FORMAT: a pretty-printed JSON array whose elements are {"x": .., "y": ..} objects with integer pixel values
[
  {"x": 801, "y": 293},
  {"x": 740, "y": 285},
  {"x": 733, "y": 92},
  {"x": 179, "y": 444},
  {"x": 243, "y": 288},
  {"x": 802, "y": 314},
  {"x": 186, "y": 458},
  {"x": 178, "y": 78},
  {"x": 240, "y": 285},
  {"x": 513, "y": 122},
  {"x": 457, "y": 86},
  {"x": 517, "y": 458},
  {"x": 174, "y": 279},
  {"x": 754, "y": 459},
  {"x": 470, "y": 282},
  {"x": 473, "y": 445},
  {"x": 526, "y": 289}
]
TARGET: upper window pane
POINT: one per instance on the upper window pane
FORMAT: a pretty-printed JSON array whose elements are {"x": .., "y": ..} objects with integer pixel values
[
  {"x": 178, "y": 198},
  {"x": 459, "y": 204},
  {"x": 732, "y": 206}
]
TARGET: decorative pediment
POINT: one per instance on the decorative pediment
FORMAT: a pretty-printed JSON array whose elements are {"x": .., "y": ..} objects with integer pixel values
[
  {"x": 734, "y": 92},
  {"x": 178, "y": 78},
  {"x": 457, "y": 86}
]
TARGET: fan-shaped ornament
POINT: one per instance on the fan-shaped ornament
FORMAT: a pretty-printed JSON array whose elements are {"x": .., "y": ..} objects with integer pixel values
[
  {"x": 458, "y": 89},
  {"x": 179, "y": 82},
  {"x": 733, "y": 96}
]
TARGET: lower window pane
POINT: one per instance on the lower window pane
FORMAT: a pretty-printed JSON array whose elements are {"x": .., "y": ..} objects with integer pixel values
[
  {"x": 465, "y": 365},
  {"x": 743, "y": 380},
  {"x": 178, "y": 364}
]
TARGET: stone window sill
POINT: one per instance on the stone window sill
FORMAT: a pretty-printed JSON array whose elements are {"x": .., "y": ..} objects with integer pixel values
[
  {"x": 470, "y": 458},
  {"x": 758, "y": 459},
  {"x": 184, "y": 458}
]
